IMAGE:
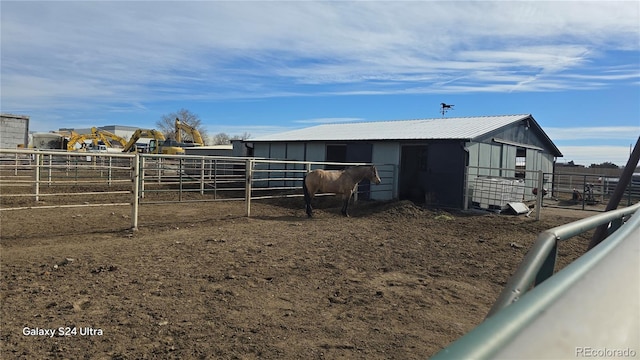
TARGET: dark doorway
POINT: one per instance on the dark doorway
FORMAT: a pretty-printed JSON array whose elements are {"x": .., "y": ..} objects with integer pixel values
[{"x": 413, "y": 173}]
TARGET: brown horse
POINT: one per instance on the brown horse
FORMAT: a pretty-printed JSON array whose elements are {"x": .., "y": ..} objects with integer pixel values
[{"x": 342, "y": 182}]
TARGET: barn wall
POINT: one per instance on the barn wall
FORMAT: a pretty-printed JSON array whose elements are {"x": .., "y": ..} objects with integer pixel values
[
  {"x": 509, "y": 160},
  {"x": 386, "y": 153},
  {"x": 519, "y": 133},
  {"x": 294, "y": 151},
  {"x": 316, "y": 151},
  {"x": 261, "y": 150},
  {"x": 495, "y": 155}
]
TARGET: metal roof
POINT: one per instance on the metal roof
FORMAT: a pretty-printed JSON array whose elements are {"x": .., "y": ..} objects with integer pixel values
[{"x": 438, "y": 128}]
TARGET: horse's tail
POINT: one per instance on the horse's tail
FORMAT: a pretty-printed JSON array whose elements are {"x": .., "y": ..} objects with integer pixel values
[{"x": 307, "y": 197}]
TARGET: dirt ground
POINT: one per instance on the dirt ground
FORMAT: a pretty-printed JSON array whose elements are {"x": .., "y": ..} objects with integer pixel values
[{"x": 201, "y": 281}]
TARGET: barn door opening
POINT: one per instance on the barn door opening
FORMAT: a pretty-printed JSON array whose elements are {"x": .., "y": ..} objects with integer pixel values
[{"x": 413, "y": 173}]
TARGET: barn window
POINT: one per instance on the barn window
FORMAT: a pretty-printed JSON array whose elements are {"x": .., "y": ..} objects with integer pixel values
[{"x": 521, "y": 159}]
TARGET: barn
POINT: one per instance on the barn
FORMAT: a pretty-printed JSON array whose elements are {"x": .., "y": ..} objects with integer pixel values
[{"x": 430, "y": 156}]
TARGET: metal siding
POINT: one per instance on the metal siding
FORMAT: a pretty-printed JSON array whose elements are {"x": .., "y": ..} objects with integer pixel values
[
  {"x": 278, "y": 151},
  {"x": 473, "y": 149},
  {"x": 315, "y": 151},
  {"x": 295, "y": 151},
  {"x": 261, "y": 150},
  {"x": 496, "y": 159},
  {"x": 508, "y": 160},
  {"x": 474, "y": 154},
  {"x": 386, "y": 153},
  {"x": 532, "y": 163},
  {"x": 547, "y": 168},
  {"x": 484, "y": 159}
]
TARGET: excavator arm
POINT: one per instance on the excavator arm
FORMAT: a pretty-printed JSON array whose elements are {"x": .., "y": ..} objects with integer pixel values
[
  {"x": 157, "y": 144},
  {"x": 190, "y": 130},
  {"x": 75, "y": 139},
  {"x": 108, "y": 137}
]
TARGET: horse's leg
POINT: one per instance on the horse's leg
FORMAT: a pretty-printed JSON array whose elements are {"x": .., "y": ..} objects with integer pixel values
[
  {"x": 345, "y": 204},
  {"x": 309, "y": 208},
  {"x": 308, "y": 196}
]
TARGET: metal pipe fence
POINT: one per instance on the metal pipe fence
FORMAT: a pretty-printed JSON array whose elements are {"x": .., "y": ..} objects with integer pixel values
[
  {"x": 64, "y": 179},
  {"x": 586, "y": 190},
  {"x": 485, "y": 189},
  {"x": 519, "y": 305},
  {"x": 83, "y": 179}
]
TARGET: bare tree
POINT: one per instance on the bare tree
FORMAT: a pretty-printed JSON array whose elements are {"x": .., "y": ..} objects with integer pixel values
[
  {"x": 167, "y": 122},
  {"x": 224, "y": 138},
  {"x": 221, "y": 139},
  {"x": 245, "y": 135}
]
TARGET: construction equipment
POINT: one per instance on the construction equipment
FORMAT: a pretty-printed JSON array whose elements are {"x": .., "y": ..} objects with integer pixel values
[
  {"x": 107, "y": 137},
  {"x": 157, "y": 145},
  {"x": 196, "y": 138},
  {"x": 75, "y": 138}
]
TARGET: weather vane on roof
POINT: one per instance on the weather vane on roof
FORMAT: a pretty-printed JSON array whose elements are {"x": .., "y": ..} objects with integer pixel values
[{"x": 444, "y": 108}]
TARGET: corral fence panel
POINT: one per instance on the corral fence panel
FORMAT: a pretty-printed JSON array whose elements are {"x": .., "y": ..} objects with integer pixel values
[
  {"x": 491, "y": 188},
  {"x": 49, "y": 179},
  {"x": 589, "y": 189}
]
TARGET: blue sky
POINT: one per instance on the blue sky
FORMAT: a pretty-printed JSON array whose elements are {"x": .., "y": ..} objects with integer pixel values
[{"x": 265, "y": 67}]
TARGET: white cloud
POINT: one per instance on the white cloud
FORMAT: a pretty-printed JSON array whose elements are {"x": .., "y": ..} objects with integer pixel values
[
  {"x": 146, "y": 50},
  {"x": 592, "y": 133},
  {"x": 587, "y": 155}
]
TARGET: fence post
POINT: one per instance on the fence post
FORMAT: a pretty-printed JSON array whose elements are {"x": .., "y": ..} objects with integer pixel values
[
  {"x": 540, "y": 194},
  {"x": 248, "y": 173},
  {"x": 109, "y": 170},
  {"x": 180, "y": 186},
  {"x": 49, "y": 173},
  {"x": 141, "y": 161},
  {"x": 135, "y": 173},
  {"x": 202, "y": 165},
  {"x": 465, "y": 197},
  {"x": 37, "y": 175}
]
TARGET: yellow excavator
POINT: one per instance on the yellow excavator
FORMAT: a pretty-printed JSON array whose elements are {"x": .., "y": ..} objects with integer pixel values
[
  {"x": 75, "y": 138},
  {"x": 157, "y": 145},
  {"x": 108, "y": 138},
  {"x": 196, "y": 138}
]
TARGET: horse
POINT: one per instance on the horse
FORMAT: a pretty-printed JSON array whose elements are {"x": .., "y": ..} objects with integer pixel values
[{"x": 342, "y": 182}]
